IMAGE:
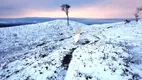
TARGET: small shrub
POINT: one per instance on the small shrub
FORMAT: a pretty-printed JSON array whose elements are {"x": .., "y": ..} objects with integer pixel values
[{"x": 127, "y": 21}]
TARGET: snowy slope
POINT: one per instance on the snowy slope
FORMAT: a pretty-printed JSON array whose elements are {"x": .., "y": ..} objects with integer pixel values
[
  {"x": 116, "y": 56},
  {"x": 46, "y": 51}
]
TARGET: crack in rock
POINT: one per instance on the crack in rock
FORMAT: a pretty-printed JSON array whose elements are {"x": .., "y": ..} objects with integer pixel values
[{"x": 67, "y": 58}]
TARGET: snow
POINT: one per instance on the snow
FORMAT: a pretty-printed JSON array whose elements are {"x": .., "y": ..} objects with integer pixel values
[{"x": 47, "y": 51}]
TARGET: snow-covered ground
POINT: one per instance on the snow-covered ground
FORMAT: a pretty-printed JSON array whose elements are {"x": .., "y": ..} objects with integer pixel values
[{"x": 46, "y": 51}]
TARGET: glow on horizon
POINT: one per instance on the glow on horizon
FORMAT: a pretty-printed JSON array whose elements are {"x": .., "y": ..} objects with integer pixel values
[{"x": 89, "y": 12}]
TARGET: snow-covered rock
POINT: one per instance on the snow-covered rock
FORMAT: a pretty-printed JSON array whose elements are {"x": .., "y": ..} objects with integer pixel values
[{"x": 46, "y": 51}]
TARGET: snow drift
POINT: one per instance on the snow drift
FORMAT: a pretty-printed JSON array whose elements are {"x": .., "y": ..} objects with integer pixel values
[{"x": 46, "y": 51}]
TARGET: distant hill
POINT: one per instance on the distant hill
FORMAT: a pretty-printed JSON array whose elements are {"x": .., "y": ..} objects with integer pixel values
[{"x": 7, "y": 22}]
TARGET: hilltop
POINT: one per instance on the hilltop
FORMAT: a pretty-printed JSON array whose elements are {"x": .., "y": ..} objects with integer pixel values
[{"x": 46, "y": 51}]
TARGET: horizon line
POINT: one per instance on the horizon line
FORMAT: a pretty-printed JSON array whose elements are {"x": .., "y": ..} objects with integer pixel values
[{"x": 64, "y": 17}]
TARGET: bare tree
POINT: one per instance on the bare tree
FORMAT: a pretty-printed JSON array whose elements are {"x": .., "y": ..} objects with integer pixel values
[
  {"x": 138, "y": 10},
  {"x": 65, "y": 8}
]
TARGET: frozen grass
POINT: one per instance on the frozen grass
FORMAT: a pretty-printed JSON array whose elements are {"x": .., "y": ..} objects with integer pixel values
[{"x": 46, "y": 51}]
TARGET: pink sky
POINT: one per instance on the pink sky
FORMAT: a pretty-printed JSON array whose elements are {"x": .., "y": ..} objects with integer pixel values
[{"x": 104, "y": 9}]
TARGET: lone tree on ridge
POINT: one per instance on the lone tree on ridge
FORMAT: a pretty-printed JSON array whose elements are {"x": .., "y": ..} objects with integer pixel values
[
  {"x": 65, "y": 8},
  {"x": 138, "y": 10}
]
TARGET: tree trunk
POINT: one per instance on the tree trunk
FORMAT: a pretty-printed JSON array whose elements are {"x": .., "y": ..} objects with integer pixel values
[
  {"x": 137, "y": 19},
  {"x": 67, "y": 19}
]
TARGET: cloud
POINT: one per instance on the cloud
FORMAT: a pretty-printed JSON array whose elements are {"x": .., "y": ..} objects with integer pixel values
[{"x": 79, "y": 8}]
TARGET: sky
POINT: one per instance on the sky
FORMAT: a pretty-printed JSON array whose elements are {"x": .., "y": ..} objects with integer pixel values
[{"x": 79, "y": 8}]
